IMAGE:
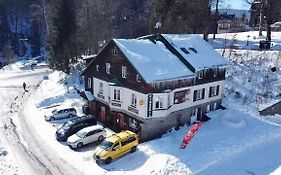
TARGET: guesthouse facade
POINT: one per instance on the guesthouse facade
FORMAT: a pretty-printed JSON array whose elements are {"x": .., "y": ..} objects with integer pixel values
[{"x": 154, "y": 83}]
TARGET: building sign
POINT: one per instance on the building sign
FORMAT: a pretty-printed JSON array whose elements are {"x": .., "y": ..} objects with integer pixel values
[
  {"x": 115, "y": 104},
  {"x": 133, "y": 110},
  {"x": 181, "y": 96},
  {"x": 149, "y": 105},
  {"x": 100, "y": 96},
  {"x": 141, "y": 102}
]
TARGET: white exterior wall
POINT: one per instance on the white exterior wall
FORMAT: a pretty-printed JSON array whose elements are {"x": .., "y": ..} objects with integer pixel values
[
  {"x": 125, "y": 98},
  {"x": 142, "y": 99},
  {"x": 189, "y": 103}
]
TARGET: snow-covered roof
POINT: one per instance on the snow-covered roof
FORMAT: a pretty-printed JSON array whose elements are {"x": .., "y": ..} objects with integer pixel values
[
  {"x": 153, "y": 60},
  {"x": 196, "y": 51},
  {"x": 89, "y": 95}
]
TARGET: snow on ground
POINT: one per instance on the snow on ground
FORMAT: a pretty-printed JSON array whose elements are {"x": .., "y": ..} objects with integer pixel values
[
  {"x": 239, "y": 40},
  {"x": 234, "y": 141},
  {"x": 11, "y": 93}
]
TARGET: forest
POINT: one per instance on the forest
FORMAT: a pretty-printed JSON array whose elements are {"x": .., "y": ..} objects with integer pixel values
[{"x": 63, "y": 30}]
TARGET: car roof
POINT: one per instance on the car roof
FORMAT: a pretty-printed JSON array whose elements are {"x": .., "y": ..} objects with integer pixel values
[
  {"x": 91, "y": 128},
  {"x": 120, "y": 136},
  {"x": 59, "y": 109}
]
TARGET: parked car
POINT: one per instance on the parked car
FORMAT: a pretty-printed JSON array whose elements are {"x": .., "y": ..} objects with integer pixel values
[
  {"x": 72, "y": 126},
  {"x": 86, "y": 135},
  {"x": 115, "y": 146},
  {"x": 61, "y": 114}
]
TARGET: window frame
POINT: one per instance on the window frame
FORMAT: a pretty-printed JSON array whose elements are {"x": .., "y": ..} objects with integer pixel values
[
  {"x": 107, "y": 68},
  {"x": 117, "y": 94},
  {"x": 114, "y": 51},
  {"x": 138, "y": 78},
  {"x": 160, "y": 103},
  {"x": 124, "y": 72},
  {"x": 100, "y": 88},
  {"x": 134, "y": 100},
  {"x": 215, "y": 74},
  {"x": 89, "y": 82},
  {"x": 200, "y": 74}
]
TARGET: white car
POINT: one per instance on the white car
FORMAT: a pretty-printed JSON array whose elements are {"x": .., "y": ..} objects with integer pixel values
[
  {"x": 61, "y": 114},
  {"x": 86, "y": 135}
]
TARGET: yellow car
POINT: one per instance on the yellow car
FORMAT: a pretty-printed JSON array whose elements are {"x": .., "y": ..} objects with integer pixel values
[{"x": 116, "y": 145}]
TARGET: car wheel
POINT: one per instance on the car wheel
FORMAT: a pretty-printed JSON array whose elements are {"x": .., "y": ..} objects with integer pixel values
[
  {"x": 79, "y": 145},
  {"x": 108, "y": 160},
  {"x": 101, "y": 138},
  {"x": 133, "y": 149},
  {"x": 52, "y": 119}
]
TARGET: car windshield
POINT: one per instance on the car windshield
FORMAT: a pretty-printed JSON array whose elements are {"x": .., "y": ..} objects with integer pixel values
[
  {"x": 81, "y": 134},
  {"x": 106, "y": 145},
  {"x": 54, "y": 111},
  {"x": 67, "y": 125}
]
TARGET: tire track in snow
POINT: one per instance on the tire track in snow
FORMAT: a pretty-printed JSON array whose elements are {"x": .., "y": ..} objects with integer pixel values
[{"x": 51, "y": 162}]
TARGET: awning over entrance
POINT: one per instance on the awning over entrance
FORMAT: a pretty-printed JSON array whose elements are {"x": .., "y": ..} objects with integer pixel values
[{"x": 89, "y": 95}]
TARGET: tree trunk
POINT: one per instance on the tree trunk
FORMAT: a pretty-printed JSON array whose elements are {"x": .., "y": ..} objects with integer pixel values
[
  {"x": 216, "y": 19},
  {"x": 261, "y": 20}
]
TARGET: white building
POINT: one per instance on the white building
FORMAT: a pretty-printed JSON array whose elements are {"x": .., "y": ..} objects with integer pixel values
[{"x": 154, "y": 83}]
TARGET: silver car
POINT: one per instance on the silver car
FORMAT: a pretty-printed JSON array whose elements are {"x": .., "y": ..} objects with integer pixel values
[
  {"x": 86, "y": 135},
  {"x": 61, "y": 114}
]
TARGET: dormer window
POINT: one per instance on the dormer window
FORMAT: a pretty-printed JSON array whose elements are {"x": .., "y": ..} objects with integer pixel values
[
  {"x": 108, "y": 68},
  {"x": 215, "y": 72},
  {"x": 200, "y": 74},
  {"x": 193, "y": 49},
  {"x": 184, "y": 50}
]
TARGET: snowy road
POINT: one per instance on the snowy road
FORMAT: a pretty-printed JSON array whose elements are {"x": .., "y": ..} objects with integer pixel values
[{"x": 24, "y": 154}]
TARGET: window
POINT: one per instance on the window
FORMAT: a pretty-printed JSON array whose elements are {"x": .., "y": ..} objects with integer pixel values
[
  {"x": 129, "y": 140},
  {"x": 184, "y": 50},
  {"x": 199, "y": 94},
  {"x": 215, "y": 73},
  {"x": 97, "y": 67},
  {"x": 138, "y": 78},
  {"x": 194, "y": 112},
  {"x": 89, "y": 82},
  {"x": 124, "y": 72},
  {"x": 114, "y": 51},
  {"x": 134, "y": 100},
  {"x": 214, "y": 91},
  {"x": 159, "y": 103},
  {"x": 213, "y": 106},
  {"x": 116, "y": 94},
  {"x": 193, "y": 50},
  {"x": 108, "y": 68},
  {"x": 208, "y": 108},
  {"x": 101, "y": 88},
  {"x": 200, "y": 74}
]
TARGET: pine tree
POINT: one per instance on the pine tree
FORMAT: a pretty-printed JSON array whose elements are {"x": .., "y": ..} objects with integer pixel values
[
  {"x": 64, "y": 48},
  {"x": 36, "y": 29}
]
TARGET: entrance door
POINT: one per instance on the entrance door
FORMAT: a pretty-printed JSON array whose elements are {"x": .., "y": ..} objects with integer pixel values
[
  {"x": 103, "y": 113},
  {"x": 121, "y": 123},
  {"x": 193, "y": 115},
  {"x": 199, "y": 114}
]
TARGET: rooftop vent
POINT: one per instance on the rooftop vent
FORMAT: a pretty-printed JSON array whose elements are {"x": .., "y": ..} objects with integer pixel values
[
  {"x": 184, "y": 50},
  {"x": 192, "y": 49}
]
